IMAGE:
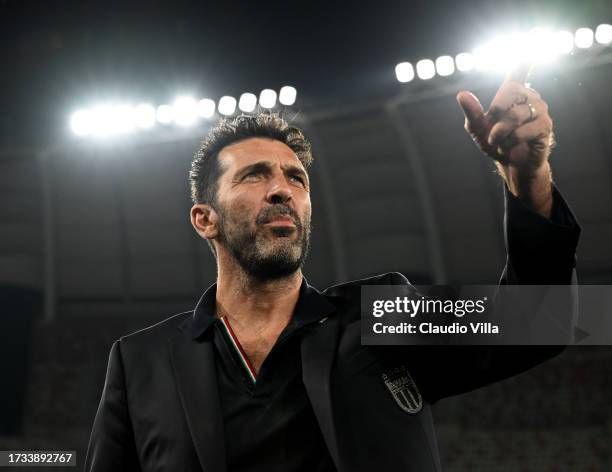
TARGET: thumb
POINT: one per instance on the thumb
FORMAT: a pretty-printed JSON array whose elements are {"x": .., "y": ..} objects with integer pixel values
[{"x": 472, "y": 109}]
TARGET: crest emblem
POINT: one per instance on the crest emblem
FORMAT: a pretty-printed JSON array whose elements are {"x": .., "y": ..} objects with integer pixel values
[{"x": 403, "y": 389}]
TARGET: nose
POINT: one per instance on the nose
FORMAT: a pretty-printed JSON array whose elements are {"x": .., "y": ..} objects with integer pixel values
[{"x": 279, "y": 192}]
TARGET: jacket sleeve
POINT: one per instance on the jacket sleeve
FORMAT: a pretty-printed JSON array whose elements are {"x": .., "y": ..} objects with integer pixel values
[
  {"x": 111, "y": 446},
  {"x": 540, "y": 251}
]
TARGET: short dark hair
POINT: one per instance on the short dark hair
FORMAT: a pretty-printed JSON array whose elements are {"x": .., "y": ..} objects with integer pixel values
[{"x": 205, "y": 168}]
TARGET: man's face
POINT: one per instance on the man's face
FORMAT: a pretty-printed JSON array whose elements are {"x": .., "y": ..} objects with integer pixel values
[{"x": 263, "y": 202}]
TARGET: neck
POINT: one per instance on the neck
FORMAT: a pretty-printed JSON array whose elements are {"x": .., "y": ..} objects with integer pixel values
[{"x": 255, "y": 304}]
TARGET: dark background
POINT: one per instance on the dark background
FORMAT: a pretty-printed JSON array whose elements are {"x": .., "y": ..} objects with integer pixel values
[
  {"x": 95, "y": 240},
  {"x": 60, "y": 55}
]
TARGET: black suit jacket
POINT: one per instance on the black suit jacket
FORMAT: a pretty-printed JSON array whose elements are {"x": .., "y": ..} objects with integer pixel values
[{"x": 160, "y": 409}]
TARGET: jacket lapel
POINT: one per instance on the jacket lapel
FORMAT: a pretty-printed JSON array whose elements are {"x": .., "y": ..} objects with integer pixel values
[
  {"x": 319, "y": 346},
  {"x": 194, "y": 367}
]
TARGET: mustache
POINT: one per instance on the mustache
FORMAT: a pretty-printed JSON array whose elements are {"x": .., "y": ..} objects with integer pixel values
[{"x": 268, "y": 214}]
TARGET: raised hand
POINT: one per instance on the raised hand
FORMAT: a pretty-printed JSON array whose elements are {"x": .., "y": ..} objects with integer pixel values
[{"x": 517, "y": 132}]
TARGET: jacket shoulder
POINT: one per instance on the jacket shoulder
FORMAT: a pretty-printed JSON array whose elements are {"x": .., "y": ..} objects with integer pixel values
[
  {"x": 159, "y": 331},
  {"x": 349, "y": 288}
]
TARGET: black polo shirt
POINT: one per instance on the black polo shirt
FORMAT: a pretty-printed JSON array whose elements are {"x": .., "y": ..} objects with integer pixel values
[{"x": 269, "y": 425}]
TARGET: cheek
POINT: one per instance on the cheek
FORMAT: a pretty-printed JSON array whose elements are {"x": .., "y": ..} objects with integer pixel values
[
  {"x": 239, "y": 212},
  {"x": 306, "y": 202},
  {"x": 307, "y": 209}
]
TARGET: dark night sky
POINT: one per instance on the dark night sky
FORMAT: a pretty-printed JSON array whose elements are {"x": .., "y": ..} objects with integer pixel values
[{"x": 61, "y": 55}]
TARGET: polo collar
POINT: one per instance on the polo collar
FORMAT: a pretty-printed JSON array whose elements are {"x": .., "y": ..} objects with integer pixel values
[{"x": 312, "y": 306}]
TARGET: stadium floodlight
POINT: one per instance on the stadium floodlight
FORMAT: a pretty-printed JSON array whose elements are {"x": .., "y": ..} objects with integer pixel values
[
  {"x": 445, "y": 65},
  {"x": 227, "y": 105},
  {"x": 502, "y": 53},
  {"x": 104, "y": 120},
  {"x": 583, "y": 38},
  {"x": 287, "y": 95},
  {"x": 483, "y": 57},
  {"x": 206, "y": 108},
  {"x": 247, "y": 102},
  {"x": 267, "y": 98},
  {"x": 499, "y": 54},
  {"x": 144, "y": 115},
  {"x": 185, "y": 111},
  {"x": 465, "y": 61},
  {"x": 124, "y": 118},
  {"x": 564, "y": 42},
  {"x": 539, "y": 47},
  {"x": 425, "y": 69},
  {"x": 165, "y": 114},
  {"x": 404, "y": 72},
  {"x": 81, "y": 122},
  {"x": 603, "y": 34}
]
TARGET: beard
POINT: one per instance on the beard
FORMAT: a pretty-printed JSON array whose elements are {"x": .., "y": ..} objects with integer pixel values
[{"x": 265, "y": 253}]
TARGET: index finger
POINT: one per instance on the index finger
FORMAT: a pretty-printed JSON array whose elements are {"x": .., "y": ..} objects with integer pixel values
[{"x": 520, "y": 72}]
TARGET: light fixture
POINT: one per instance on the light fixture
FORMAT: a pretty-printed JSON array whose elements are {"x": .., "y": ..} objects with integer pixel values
[
  {"x": 144, "y": 115},
  {"x": 123, "y": 118},
  {"x": 247, "y": 102},
  {"x": 287, "y": 95},
  {"x": 425, "y": 69},
  {"x": 165, "y": 114},
  {"x": 227, "y": 105},
  {"x": 603, "y": 34},
  {"x": 465, "y": 61},
  {"x": 267, "y": 98},
  {"x": 206, "y": 108},
  {"x": 583, "y": 38},
  {"x": 81, "y": 123},
  {"x": 103, "y": 120},
  {"x": 445, "y": 66},
  {"x": 404, "y": 72},
  {"x": 185, "y": 111},
  {"x": 564, "y": 42}
]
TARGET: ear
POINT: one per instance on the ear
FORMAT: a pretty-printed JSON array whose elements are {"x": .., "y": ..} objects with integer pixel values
[{"x": 204, "y": 220}]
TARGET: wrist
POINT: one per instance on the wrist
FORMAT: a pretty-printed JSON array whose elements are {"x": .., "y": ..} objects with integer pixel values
[{"x": 533, "y": 186}]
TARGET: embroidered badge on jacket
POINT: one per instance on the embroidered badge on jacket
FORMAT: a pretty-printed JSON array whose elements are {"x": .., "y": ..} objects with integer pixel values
[{"x": 403, "y": 389}]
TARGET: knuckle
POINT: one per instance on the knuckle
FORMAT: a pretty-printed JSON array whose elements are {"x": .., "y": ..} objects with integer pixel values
[
  {"x": 520, "y": 97},
  {"x": 515, "y": 117}
]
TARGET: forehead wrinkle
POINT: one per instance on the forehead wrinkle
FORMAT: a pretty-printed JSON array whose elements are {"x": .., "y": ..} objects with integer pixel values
[
  {"x": 267, "y": 148},
  {"x": 269, "y": 164}
]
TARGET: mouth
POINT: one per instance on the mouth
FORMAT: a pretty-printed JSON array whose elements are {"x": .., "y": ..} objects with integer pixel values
[{"x": 285, "y": 221}]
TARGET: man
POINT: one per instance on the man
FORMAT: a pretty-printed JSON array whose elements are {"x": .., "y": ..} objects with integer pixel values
[{"x": 267, "y": 373}]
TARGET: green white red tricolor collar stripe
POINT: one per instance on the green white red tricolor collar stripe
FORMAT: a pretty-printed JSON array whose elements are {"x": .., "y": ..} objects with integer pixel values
[{"x": 241, "y": 354}]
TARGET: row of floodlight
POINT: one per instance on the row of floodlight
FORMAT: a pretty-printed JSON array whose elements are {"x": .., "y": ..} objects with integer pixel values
[
  {"x": 185, "y": 111},
  {"x": 538, "y": 46}
]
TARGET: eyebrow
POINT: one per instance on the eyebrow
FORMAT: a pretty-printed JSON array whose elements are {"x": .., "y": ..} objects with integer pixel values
[{"x": 265, "y": 168}]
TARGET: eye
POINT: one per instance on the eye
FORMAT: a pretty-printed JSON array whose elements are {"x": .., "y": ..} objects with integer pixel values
[
  {"x": 298, "y": 178},
  {"x": 252, "y": 174}
]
